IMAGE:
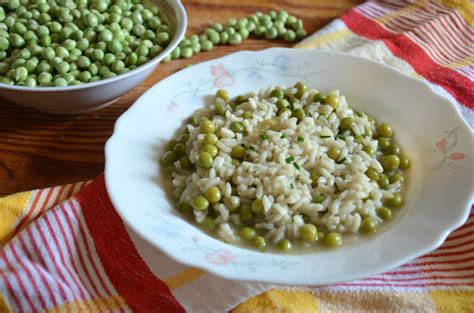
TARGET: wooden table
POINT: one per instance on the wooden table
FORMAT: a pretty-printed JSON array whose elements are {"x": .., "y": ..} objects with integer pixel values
[{"x": 39, "y": 150}]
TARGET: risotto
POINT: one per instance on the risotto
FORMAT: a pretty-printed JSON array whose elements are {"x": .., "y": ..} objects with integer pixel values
[{"x": 286, "y": 167}]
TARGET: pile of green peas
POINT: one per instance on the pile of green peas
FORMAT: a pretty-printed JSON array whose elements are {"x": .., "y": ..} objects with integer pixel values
[
  {"x": 274, "y": 25},
  {"x": 388, "y": 152},
  {"x": 70, "y": 42}
]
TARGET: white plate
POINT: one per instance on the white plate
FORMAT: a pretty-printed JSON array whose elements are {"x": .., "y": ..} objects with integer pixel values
[{"x": 428, "y": 126}]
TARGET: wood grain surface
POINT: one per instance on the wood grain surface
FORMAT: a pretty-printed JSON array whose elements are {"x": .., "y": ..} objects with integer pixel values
[{"x": 39, "y": 150}]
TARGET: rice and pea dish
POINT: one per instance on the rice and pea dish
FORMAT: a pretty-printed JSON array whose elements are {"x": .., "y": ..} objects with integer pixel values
[{"x": 285, "y": 168}]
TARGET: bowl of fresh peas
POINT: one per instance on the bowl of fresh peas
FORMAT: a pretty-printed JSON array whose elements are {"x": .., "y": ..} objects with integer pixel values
[{"x": 77, "y": 56}]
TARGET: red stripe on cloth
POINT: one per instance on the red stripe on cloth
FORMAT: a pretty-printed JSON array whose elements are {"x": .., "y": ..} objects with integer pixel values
[
  {"x": 459, "y": 86},
  {"x": 131, "y": 277},
  {"x": 33, "y": 262},
  {"x": 45, "y": 262},
  {"x": 463, "y": 235},
  {"x": 430, "y": 270},
  {"x": 421, "y": 279},
  {"x": 14, "y": 295},
  {"x": 71, "y": 254},
  {"x": 29, "y": 278},
  {"x": 449, "y": 247},
  {"x": 90, "y": 252},
  {"x": 82, "y": 260}
]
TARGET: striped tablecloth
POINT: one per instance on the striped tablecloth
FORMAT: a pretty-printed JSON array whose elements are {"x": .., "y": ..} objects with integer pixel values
[{"x": 65, "y": 248}]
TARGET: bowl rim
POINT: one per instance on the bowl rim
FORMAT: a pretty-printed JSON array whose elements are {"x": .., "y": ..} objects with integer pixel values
[
  {"x": 466, "y": 201},
  {"x": 182, "y": 18}
]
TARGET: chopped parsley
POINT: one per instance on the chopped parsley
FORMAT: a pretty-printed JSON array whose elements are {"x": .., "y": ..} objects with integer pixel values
[
  {"x": 341, "y": 161},
  {"x": 325, "y": 136},
  {"x": 290, "y": 159},
  {"x": 263, "y": 137},
  {"x": 292, "y": 186},
  {"x": 283, "y": 136},
  {"x": 341, "y": 137},
  {"x": 300, "y": 139},
  {"x": 296, "y": 166},
  {"x": 253, "y": 148}
]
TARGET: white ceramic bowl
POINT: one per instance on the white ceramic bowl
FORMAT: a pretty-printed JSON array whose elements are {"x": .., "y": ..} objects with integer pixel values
[
  {"x": 428, "y": 126},
  {"x": 94, "y": 96}
]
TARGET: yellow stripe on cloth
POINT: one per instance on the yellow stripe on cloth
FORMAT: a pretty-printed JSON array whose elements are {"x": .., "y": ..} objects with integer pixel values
[
  {"x": 461, "y": 63},
  {"x": 182, "y": 278},
  {"x": 102, "y": 305},
  {"x": 453, "y": 300},
  {"x": 287, "y": 301},
  {"x": 4, "y": 306},
  {"x": 464, "y": 7},
  {"x": 11, "y": 209},
  {"x": 318, "y": 41}
]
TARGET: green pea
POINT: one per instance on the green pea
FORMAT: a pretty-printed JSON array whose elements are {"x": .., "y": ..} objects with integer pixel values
[
  {"x": 183, "y": 138},
  {"x": 237, "y": 127},
  {"x": 284, "y": 245},
  {"x": 332, "y": 100},
  {"x": 289, "y": 36},
  {"x": 332, "y": 240},
  {"x": 309, "y": 233},
  {"x": 384, "y": 213},
  {"x": 372, "y": 174},
  {"x": 4, "y": 44},
  {"x": 245, "y": 213},
  {"x": 85, "y": 76},
  {"x": 62, "y": 68},
  {"x": 368, "y": 226},
  {"x": 30, "y": 82},
  {"x": 207, "y": 45},
  {"x": 391, "y": 162},
  {"x": 168, "y": 158},
  {"x": 247, "y": 233},
  {"x": 186, "y": 52},
  {"x": 237, "y": 152},
  {"x": 45, "y": 78},
  {"x": 260, "y": 243},
  {"x": 7, "y": 80},
  {"x": 257, "y": 206},
  {"x": 404, "y": 162},
  {"x": 211, "y": 149},
  {"x": 235, "y": 39},
  {"x": 205, "y": 160},
  {"x": 397, "y": 178},
  {"x": 208, "y": 222},
  {"x": 185, "y": 163},
  {"x": 383, "y": 181},
  {"x": 21, "y": 73},
  {"x": 17, "y": 41},
  {"x": 109, "y": 58},
  {"x": 179, "y": 150},
  {"x": 314, "y": 178},
  {"x": 395, "y": 201},
  {"x": 298, "y": 113},
  {"x": 369, "y": 150},
  {"x": 384, "y": 143},
  {"x": 334, "y": 153},
  {"x": 392, "y": 148},
  {"x": 210, "y": 139},
  {"x": 219, "y": 109},
  {"x": 277, "y": 93},
  {"x": 318, "y": 199},
  {"x": 200, "y": 203},
  {"x": 223, "y": 38},
  {"x": 282, "y": 104},
  {"x": 207, "y": 127},
  {"x": 214, "y": 37},
  {"x": 301, "y": 89},
  {"x": 60, "y": 82},
  {"x": 347, "y": 123},
  {"x": 385, "y": 130},
  {"x": 162, "y": 38},
  {"x": 213, "y": 194}
]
